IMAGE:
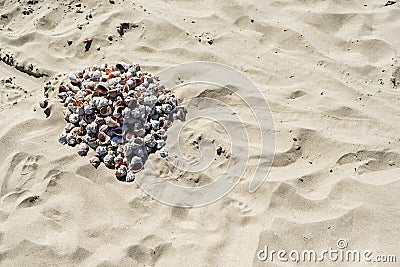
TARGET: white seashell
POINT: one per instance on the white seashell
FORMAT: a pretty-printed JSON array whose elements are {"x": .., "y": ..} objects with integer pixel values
[
  {"x": 163, "y": 152},
  {"x": 80, "y": 111},
  {"x": 88, "y": 109},
  {"x": 150, "y": 141},
  {"x": 166, "y": 108},
  {"x": 118, "y": 160},
  {"x": 110, "y": 122},
  {"x": 103, "y": 128},
  {"x": 130, "y": 177},
  {"x": 68, "y": 100},
  {"x": 72, "y": 77},
  {"x": 83, "y": 149},
  {"x": 95, "y": 161},
  {"x": 70, "y": 139},
  {"x": 109, "y": 160},
  {"x": 92, "y": 128},
  {"x": 83, "y": 123},
  {"x": 96, "y": 75},
  {"x": 62, "y": 138},
  {"x": 101, "y": 150},
  {"x": 120, "y": 150},
  {"x": 69, "y": 127},
  {"x": 161, "y": 98},
  {"x": 155, "y": 124},
  {"x": 73, "y": 118},
  {"x": 43, "y": 103},
  {"x": 160, "y": 143},
  {"x": 121, "y": 171},
  {"x": 75, "y": 131}
]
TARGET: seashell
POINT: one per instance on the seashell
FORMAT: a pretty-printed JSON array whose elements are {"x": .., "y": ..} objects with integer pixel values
[
  {"x": 163, "y": 152},
  {"x": 95, "y": 161},
  {"x": 131, "y": 83},
  {"x": 89, "y": 137},
  {"x": 62, "y": 89},
  {"x": 122, "y": 66},
  {"x": 68, "y": 100},
  {"x": 99, "y": 120},
  {"x": 43, "y": 102},
  {"x": 103, "y": 138},
  {"x": 93, "y": 144},
  {"x": 100, "y": 102},
  {"x": 167, "y": 124},
  {"x": 139, "y": 129},
  {"x": 62, "y": 96},
  {"x": 111, "y": 122},
  {"x": 88, "y": 109},
  {"x": 150, "y": 141},
  {"x": 120, "y": 150},
  {"x": 62, "y": 138},
  {"x": 83, "y": 123},
  {"x": 150, "y": 100},
  {"x": 69, "y": 127},
  {"x": 139, "y": 151},
  {"x": 96, "y": 75},
  {"x": 118, "y": 160},
  {"x": 102, "y": 88},
  {"x": 73, "y": 118},
  {"x": 72, "y": 77},
  {"x": 130, "y": 177},
  {"x": 121, "y": 172},
  {"x": 115, "y": 141},
  {"x": 116, "y": 131},
  {"x": 161, "y": 98},
  {"x": 80, "y": 111},
  {"x": 75, "y": 131},
  {"x": 160, "y": 143},
  {"x": 128, "y": 149},
  {"x": 92, "y": 128},
  {"x": 159, "y": 110},
  {"x": 180, "y": 114},
  {"x": 83, "y": 149},
  {"x": 70, "y": 139},
  {"x": 161, "y": 133},
  {"x": 155, "y": 124},
  {"x": 103, "y": 128},
  {"x": 166, "y": 108},
  {"x": 106, "y": 111},
  {"x": 109, "y": 160},
  {"x": 136, "y": 164},
  {"x": 101, "y": 151}
]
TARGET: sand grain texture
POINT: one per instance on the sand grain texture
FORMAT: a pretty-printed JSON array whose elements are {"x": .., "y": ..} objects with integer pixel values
[{"x": 329, "y": 69}]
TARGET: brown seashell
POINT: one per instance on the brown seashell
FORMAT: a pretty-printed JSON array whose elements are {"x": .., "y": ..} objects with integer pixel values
[
  {"x": 106, "y": 111},
  {"x": 62, "y": 88},
  {"x": 103, "y": 138},
  {"x": 102, "y": 88}
]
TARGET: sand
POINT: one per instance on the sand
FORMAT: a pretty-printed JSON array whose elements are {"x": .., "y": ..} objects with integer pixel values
[{"x": 329, "y": 70}]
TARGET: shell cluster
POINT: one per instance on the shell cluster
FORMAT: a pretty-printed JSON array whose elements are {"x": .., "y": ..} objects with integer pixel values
[{"x": 120, "y": 112}]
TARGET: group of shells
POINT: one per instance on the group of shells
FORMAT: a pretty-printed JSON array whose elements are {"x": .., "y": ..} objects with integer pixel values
[{"x": 119, "y": 111}]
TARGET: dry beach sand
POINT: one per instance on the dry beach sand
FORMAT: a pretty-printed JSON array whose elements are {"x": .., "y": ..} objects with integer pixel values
[{"x": 329, "y": 70}]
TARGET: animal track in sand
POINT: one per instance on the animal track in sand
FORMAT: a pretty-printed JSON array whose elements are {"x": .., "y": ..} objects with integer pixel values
[{"x": 371, "y": 160}]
